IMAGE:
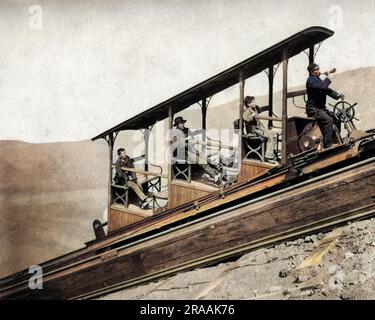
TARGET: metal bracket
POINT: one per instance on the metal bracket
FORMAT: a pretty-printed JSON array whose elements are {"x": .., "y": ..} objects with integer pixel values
[
  {"x": 207, "y": 104},
  {"x": 196, "y": 205},
  {"x": 294, "y": 170},
  {"x": 275, "y": 67},
  {"x": 295, "y": 105},
  {"x": 315, "y": 51},
  {"x": 109, "y": 255},
  {"x": 208, "y": 101},
  {"x": 108, "y": 140}
]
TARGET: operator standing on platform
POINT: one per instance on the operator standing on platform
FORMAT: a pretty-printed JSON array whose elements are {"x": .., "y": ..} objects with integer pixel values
[{"x": 317, "y": 91}]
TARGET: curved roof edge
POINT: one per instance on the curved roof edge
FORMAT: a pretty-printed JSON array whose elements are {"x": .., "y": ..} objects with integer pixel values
[{"x": 225, "y": 79}]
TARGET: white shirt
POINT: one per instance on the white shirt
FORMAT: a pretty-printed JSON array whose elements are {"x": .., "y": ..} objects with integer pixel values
[{"x": 180, "y": 141}]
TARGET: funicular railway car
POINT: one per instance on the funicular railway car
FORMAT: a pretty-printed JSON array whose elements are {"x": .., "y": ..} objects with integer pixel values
[
  {"x": 302, "y": 134},
  {"x": 195, "y": 221}
]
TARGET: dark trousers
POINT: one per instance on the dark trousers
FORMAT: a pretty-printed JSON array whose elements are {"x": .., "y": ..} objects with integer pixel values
[{"x": 326, "y": 120}]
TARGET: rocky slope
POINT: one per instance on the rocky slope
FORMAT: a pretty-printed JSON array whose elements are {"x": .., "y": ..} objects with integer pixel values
[{"x": 299, "y": 269}]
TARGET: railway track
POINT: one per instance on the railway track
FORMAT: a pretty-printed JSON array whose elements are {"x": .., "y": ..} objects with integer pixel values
[
  {"x": 249, "y": 225},
  {"x": 264, "y": 243},
  {"x": 360, "y": 213}
]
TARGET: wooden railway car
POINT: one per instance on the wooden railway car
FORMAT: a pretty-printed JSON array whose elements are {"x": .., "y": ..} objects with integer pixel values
[{"x": 200, "y": 222}]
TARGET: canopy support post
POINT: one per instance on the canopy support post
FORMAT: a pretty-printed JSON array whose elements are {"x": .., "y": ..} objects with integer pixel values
[
  {"x": 146, "y": 135},
  {"x": 204, "y": 127},
  {"x": 270, "y": 95},
  {"x": 110, "y": 141},
  {"x": 311, "y": 54},
  {"x": 284, "y": 117},
  {"x": 204, "y": 117},
  {"x": 241, "y": 104},
  {"x": 170, "y": 169}
]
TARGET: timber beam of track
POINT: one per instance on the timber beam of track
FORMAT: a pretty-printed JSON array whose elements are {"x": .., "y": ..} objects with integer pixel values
[
  {"x": 210, "y": 260},
  {"x": 317, "y": 204}
]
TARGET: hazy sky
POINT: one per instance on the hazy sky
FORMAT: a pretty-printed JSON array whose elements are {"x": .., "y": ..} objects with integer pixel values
[{"x": 72, "y": 69}]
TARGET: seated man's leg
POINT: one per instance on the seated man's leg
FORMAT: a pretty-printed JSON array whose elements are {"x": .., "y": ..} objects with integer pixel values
[
  {"x": 195, "y": 159},
  {"x": 138, "y": 191},
  {"x": 325, "y": 123},
  {"x": 229, "y": 160},
  {"x": 271, "y": 138},
  {"x": 270, "y": 143}
]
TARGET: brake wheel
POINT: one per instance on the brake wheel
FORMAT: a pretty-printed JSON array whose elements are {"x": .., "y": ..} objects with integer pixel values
[{"x": 344, "y": 111}]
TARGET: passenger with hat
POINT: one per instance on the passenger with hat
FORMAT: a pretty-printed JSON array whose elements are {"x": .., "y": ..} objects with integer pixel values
[
  {"x": 317, "y": 87},
  {"x": 183, "y": 150}
]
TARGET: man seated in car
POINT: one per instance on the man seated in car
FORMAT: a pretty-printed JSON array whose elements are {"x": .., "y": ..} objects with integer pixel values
[
  {"x": 184, "y": 151},
  {"x": 254, "y": 126},
  {"x": 129, "y": 178}
]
